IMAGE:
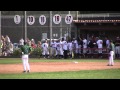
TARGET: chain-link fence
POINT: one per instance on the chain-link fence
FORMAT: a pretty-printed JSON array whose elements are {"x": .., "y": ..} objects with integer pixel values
[
  {"x": 36, "y": 25},
  {"x": 36, "y": 30}
]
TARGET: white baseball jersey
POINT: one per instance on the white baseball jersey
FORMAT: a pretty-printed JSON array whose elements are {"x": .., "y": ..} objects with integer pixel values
[
  {"x": 70, "y": 45},
  {"x": 65, "y": 45},
  {"x": 45, "y": 48},
  {"x": 100, "y": 43},
  {"x": 107, "y": 43},
  {"x": 76, "y": 43},
  {"x": 84, "y": 43},
  {"x": 59, "y": 47},
  {"x": 53, "y": 44},
  {"x": 21, "y": 42}
]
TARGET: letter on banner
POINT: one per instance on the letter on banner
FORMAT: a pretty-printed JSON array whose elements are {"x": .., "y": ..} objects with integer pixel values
[
  {"x": 42, "y": 19},
  {"x": 57, "y": 19},
  {"x": 31, "y": 20},
  {"x": 68, "y": 19},
  {"x": 17, "y": 19}
]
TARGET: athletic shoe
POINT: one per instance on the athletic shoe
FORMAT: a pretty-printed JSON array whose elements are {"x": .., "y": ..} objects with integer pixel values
[
  {"x": 24, "y": 71},
  {"x": 28, "y": 71}
]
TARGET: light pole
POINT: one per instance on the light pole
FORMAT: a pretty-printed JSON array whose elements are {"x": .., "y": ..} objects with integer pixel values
[
  {"x": 61, "y": 29},
  {"x": 77, "y": 19},
  {"x": 70, "y": 28}
]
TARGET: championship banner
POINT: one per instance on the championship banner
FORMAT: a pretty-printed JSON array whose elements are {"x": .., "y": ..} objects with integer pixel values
[
  {"x": 42, "y": 20},
  {"x": 17, "y": 19},
  {"x": 57, "y": 19},
  {"x": 31, "y": 20},
  {"x": 68, "y": 19}
]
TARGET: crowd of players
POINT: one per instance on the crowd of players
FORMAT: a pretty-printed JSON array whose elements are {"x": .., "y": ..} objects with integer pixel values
[
  {"x": 74, "y": 48},
  {"x": 65, "y": 47}
]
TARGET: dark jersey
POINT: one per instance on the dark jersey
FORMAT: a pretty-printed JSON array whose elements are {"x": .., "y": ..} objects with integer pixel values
[
  {"x": 112, "y": 47},
  {"x": 26, "y": 49},
  {"x": 117, "y": 42}
]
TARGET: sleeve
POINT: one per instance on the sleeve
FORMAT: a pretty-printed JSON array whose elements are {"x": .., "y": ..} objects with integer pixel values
[
  {"x": 22, "y": 50},
  {"x": 30, "y": 49}
]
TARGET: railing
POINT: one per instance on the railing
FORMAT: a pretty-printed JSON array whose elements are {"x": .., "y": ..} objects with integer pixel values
[
  {"x": 93, "y": 53},
  {"x": 95, "y": 50}
]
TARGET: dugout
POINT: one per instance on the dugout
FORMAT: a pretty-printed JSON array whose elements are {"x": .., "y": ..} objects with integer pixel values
[{"x": 107, "y": 24}]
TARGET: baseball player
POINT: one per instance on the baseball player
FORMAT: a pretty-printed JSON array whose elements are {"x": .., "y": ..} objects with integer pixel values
[
  {"x": 65, "y": 48},
  {"x": 70, "y": 48},
  {"x": 100, "y": 46},
  {"x": 53, "y": 47},
  {"x": 59, "y": 49},
  {"x": 45, "y": 49},
  {"x": 26, "y": 50},
  {"x": 117, "y": 47},
  {"x": 85, "y": 46},
  {"x": 76, "y": 48},
  {"x": 111, "y": 53},
  {"x": 107, "y": 42}
]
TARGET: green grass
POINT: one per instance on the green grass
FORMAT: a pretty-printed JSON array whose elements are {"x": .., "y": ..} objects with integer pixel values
[
  {"x": 18, "y": 60},
  {"x": 83, "y": 74}
]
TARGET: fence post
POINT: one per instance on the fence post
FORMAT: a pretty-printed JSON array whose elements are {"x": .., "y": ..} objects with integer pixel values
[
  {"x": 25, "y": 26},
  {"x": 50, "y": 30},
  {"x": 0, "y": 35}
]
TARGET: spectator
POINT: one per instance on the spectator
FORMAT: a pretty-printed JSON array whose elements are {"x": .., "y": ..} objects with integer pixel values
[
  {"x": 33, "y": 45},
  {"x": 10, "y": 51},
  {"x": 21, "y": 42},
  {"x": 100, "y": 47},
  {"x": 117, "y": 47}
]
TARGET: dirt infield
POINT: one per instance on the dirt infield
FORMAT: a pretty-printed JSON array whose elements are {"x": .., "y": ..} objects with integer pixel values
[{"x": 57, "y": 66}]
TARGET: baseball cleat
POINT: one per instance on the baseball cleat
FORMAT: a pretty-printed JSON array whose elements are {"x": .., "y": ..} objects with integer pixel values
[
  {"x": 24, "y": 71},
  {"x": 28, "y": 71}
]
